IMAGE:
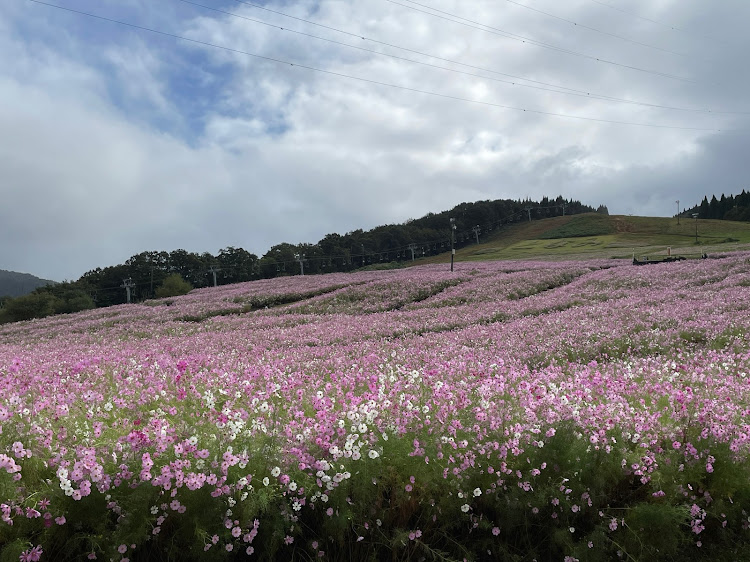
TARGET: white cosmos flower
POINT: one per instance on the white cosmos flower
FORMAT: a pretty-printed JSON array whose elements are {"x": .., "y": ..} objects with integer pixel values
[
  {"x": 373, "y": 454},
  {"x": 275, "y": 472},
  {"x": 465, "y": 508}
]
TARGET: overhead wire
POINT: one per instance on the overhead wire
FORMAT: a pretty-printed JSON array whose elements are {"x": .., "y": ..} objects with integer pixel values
[
  {"x": 594, "y": 29},
  {"x": 364, "y": 38},
  {"x": 611, "y": 7},
  {"x": 553, "y": 88},
  {"x": 496, "y": 31},
  {"x": 661, "y": 23},
  {"x": 386, "y": 44},
  {"x": 376, "y": 82}
]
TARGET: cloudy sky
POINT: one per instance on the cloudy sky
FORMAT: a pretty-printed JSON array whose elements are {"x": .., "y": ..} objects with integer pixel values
[{"x": 249, "y": 124}]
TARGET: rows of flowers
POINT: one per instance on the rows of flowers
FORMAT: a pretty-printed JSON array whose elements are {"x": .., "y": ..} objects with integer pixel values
[{"x": 525, "y": 410}]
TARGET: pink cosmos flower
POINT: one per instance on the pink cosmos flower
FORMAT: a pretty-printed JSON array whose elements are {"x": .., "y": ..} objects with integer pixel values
[{"x": 31, "y": 555}]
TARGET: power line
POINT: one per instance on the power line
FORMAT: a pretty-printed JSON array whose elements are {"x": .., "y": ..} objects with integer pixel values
[
  {"x": 386, "y": 44},
  {"x": 376, "y": 82},
  {"x": 496, "y": 31},
  {"x": 657, "y": 22},
  {"x": 636, "y": 15},
  {"x": 584, "y": 26},
  {"x": 560, "y": 89},
  {"x": 359, "y": 36}
]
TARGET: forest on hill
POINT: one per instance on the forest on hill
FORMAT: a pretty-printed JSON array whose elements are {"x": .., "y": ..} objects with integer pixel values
[
  {"x": 14, "y": 284},
  {"x": 159, "y": 273},
  {"x": 730, "y": 208}
]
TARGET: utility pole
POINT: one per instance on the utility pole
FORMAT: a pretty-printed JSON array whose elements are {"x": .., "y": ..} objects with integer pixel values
[
  {"x": 412, "y": 247},
  {"x": 453, "y": 240},
  {"x": 363, "y": 254},
  {"x": 528, "y": 210},
  {"x": 695, "y": 216},
  {"x": 214, "y": 270},
  {"x": 678, "y": 211},
  {"x": 563, "y": 206},
  {"x": 477, "y": 230},
  {"x": 300, "y": 258},
  {"x": 128, "y": 284}
]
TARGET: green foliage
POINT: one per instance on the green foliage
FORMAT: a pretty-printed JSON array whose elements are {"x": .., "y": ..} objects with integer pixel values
[
  {"x": 383, "y": 266},
  {"x": 52, "y": 299},
  {"x": 694, "y": 336},
  {"x": 174, "y": 285},
  {"x": 733, "y": 208},
  {"x": 35, "y": 305},
  {"x": 582, "y": 495},
  {"x": 655, "y": 531},
  {"x": 11, "y": 552}
]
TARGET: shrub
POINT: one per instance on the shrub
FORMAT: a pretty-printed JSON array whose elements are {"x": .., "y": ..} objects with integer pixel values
[
  {"x": 173, "y": 286},
  {"x": 35, "y": 305}
]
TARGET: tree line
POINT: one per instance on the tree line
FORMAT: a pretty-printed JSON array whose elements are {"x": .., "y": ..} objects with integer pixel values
[
  {"x": 731, "y": 208},
  {"x": 154, "y": 274}
]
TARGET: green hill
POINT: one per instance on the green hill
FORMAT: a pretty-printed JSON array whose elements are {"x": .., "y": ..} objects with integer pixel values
[
  {"x": 13, "y": 284},
  {"x": 605, "y": 236}
]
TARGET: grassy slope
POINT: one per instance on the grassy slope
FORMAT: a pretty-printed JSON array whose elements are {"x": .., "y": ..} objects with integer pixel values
[{"x": 617, "y": 236}]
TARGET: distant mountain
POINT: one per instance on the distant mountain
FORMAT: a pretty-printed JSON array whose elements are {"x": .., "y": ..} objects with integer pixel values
[{"x": 14, "y": 284}]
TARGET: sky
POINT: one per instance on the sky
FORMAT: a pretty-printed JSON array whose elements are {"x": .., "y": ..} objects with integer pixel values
[{"x": 215, "y": 123}]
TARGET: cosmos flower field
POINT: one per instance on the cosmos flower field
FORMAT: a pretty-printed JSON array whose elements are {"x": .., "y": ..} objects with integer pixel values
[{"x": 588, "y": 410}]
